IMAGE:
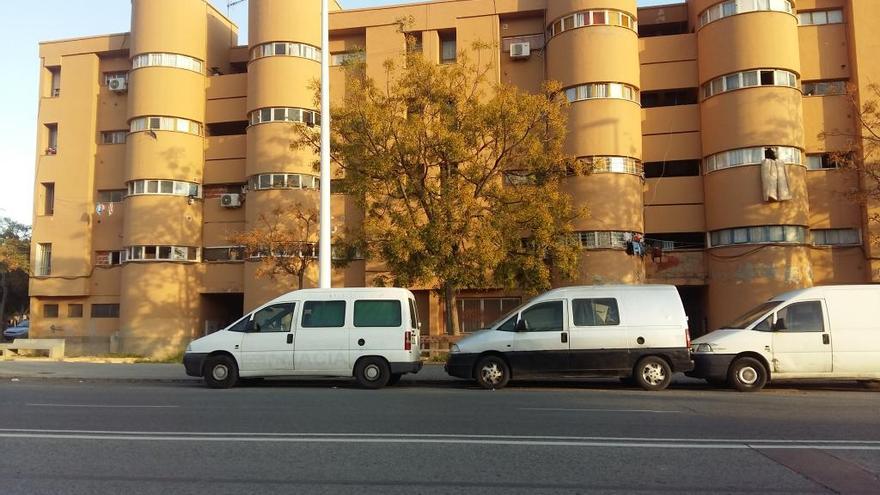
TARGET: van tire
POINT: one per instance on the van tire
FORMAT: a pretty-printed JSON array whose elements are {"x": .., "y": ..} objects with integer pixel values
[
  {"x": 372, "y": 373},
  {"x": 220, "y": 372},
  {"x": 394, "y": 379},
  {"x": 747, "y": 375},
  {"x": 653, "y": 373},
  {"x": 492, "y": 372}
]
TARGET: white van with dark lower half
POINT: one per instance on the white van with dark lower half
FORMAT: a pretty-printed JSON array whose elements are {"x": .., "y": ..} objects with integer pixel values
[
  {"x": 830, "y": 332},
  {"x": 637, "y": 331},
  {"x": 369, "y": 333}
]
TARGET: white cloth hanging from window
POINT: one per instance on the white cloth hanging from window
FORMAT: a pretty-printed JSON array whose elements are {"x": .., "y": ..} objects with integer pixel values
[{"x": 774, "y": 179}]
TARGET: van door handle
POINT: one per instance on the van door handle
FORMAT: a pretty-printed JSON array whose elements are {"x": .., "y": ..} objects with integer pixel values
[
  {"x": 826, "y": 339},
  {"x": 564, "y": 337},
  {"x": 290, "y": 338}
]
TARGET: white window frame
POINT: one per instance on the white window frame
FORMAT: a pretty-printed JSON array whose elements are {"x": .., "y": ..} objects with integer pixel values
[
  {"x": 154, "y": 187},
  {"x": 169, "y": 124},
  {"x": 171, "y": 60},
  {"x": 731, "y": 8},
  {"x": 751, "y": 156}
]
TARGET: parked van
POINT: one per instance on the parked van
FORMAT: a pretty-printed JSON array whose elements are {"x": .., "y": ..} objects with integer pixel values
[
  {"x": 828, "y": 332},
  {"x": 369, "y": 333},
  {"x": 633, "y": 331}
]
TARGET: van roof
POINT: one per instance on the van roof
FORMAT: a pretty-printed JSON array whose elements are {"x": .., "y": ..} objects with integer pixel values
[
  {"x": 813, "y": 291},
  {"x": 580, "y": 289},
  {"x": 397, "y": 291}
]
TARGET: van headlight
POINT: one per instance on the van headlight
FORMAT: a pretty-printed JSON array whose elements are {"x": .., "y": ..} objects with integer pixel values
[
  {"x": 703, "y": 348},
  {"x": 454, "y": 348}
]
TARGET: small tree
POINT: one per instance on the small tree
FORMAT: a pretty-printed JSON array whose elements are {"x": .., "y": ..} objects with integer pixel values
[
  {"x": 285, "y": 241},
  {"x": 459, "y": 185},
  {"x": 14, "y": 261}
]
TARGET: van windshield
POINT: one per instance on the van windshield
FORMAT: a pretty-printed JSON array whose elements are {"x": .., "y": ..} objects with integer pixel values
[{"x": 747, "y": 319}]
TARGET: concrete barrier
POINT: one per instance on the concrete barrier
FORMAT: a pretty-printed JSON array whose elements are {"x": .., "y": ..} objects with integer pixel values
[{"x": 54, "y": 346}]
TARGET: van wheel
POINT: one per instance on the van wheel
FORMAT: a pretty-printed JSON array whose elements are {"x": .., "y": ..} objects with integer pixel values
[
  {"x": 220, "y": 372},
  {"x": 492, "y": 373},
  {"x": 372, "y": 373},
  {"x": 653, "y": 373},
  {"x": 394, "y": 379},
  {"x": 747, "y": 375}
]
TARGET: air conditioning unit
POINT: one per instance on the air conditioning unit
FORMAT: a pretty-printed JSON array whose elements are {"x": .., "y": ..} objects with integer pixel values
[
  {"x": 520, "y": 50},
  {"x": 117, "y": 84},
  {"x": 230, "y": 200}
]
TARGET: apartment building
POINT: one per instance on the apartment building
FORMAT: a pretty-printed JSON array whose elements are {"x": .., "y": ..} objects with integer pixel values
[{"x": 158, "y": 144}]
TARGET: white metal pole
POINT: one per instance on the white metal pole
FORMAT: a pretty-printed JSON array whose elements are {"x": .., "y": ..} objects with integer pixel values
[{"x": 325, "y": 251}]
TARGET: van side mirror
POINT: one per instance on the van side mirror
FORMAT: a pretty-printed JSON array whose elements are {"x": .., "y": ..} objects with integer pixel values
[{"x": 522, "y": 326}]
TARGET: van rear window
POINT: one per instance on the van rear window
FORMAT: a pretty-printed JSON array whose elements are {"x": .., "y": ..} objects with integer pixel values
[
  {"x": 378, "y": 313},
  {"x": 323, "y": 314},
  {"x": 595, "y": 312}
]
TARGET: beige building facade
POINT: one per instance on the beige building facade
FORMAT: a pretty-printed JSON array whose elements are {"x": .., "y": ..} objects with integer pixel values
[{"x": 155, "y": 146}]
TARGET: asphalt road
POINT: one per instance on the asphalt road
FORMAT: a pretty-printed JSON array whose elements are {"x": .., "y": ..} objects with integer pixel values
[{"x": 60, "y": 436}]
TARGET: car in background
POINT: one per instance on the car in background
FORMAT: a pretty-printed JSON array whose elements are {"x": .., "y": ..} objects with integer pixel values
[{"x": 19, "y": 331}]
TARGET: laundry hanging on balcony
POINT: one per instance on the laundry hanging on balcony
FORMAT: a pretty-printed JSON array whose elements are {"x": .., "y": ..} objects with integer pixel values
[{"x": 774, "y": 178}]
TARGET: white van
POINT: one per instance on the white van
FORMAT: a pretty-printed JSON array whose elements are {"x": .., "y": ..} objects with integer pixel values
[
  {"x": 828, "y": 332},
  {"x": 369, "y": 333},
  {"x": 631, "y": 331}
]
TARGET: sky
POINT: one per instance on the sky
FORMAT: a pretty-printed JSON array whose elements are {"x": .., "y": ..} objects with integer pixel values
[{"x": 21, "y": 30}]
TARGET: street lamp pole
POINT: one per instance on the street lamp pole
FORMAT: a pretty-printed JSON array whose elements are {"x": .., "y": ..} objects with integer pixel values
[{"x": 325, "y": 251}]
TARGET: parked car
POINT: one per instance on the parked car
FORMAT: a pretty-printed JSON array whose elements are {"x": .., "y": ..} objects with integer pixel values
[
  {"x": 635, "y": 331},
  {"x": 832, "y": 333},
  {"x": 19, "y": 331},
  {"x": 369, "y": 333}
]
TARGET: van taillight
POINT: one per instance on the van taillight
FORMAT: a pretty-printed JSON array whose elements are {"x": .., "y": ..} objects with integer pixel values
[
  {"x": 687, "y": 335},
  {"x": 407, "y": 341}
]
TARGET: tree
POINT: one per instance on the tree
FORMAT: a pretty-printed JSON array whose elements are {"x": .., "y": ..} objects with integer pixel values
[
  {"x": 14, "y": 263},
  {"x": 285, "y": 241},
  {"x": 458, "y": 178}
]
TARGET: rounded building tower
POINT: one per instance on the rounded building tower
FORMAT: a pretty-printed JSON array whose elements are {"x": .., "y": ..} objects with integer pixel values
[
  {"x": 285, "y": 61},
  {"x": 163, "y": 172},
  {"x": 751, "y": 108},
  {"x": 593, "y": 52}
]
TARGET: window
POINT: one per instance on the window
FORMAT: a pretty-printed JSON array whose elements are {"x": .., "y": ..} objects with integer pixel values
[
  {"x": 673, "y": 168},
  {"x": 751, "y": 156},
  {"x": 44, "y": 260},
  {"x": 241, "y": 325},
  {"x": 448, "y": 48},
  {"x": 109, "y": 258},
  {"x": 111, "y": 196},
  {"x": 48, "y": 198},
  {"x": 172, "y": 124},
  {"x": 613, "y": 164},
  {"x": 166, "y": 187},
  {"x": 824, "y": 88},
  {"x": 343, "y": 58},
  {"x": 665, "y": 29},
  {"x": 74, "y": 310},
  {"x": 273, "y": 319},
  {"x": 236, "y": 128},
  {"x": 800, "y": 317},
  {"x": 377, "y": 314},
  {"x": 55, "y": 88},
  {"x": 105, "y": 311},
  {"x": 162, "y": 253},
  {"x": 669, "y": 98},
  {"x": 284, "y": 114},
  {"x": 734, "y": 7},
  {"x": 677, "y": 240},
  {"x": 602, "y": 90},
  {"x": 231, "y": 253},
  {"x": 747, "y": 79},
  {"x": 835, "y": 237},
  {"x": 173, "y": 60},
  {"x": 283, "y": 181},
  {"x": 286, "y": 49},
  {"x": 819, "y": 17},
  {"x": 114, "y": 137},
  {"x": 543, "y": 317},
  {"x": 764, "y": 234},
  {"x": 595, "y": 312},
  {"x": 826, "y": 161},
  {"x": 109, "y": 76},
  {"x": 602, "y": 239},
  {"x": 50, "y": 311},
  {"x": 475, "y": 313},
  {"x": 323, "y": 314},
  {"x": 51, "y": 139},
  {"x": 593, "y": 18}
]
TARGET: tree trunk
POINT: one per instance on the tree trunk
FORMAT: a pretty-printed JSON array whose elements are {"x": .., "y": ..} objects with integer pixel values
[
  {"x": 5, "y": 291},
  {"x": 449, "y": 299}
]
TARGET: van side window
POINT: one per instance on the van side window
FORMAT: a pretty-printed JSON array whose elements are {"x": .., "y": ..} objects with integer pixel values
[
  {"x": 240, "y": 325},
  {"x": 800, "y": 317},
  {"x": 275, "y": 318},
  {"x": 509, "y": 325},
  {"x": 765, "y": 326},
  {"x": 544, "y": 317},
  {"x": 385, "y": 313},
  {"x": 595, "y": 312},
  {"x": 413, "y": 314},
  {"x": 326, "y": 314}
]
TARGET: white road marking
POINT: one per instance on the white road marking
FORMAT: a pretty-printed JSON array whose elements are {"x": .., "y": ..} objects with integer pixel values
[
  {"x": 513, "y": 440},
  {"x": 109, "y": 406},
  {"x": 643, "y": 411}
]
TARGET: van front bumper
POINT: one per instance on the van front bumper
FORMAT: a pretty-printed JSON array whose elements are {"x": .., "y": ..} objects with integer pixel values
[
  {"x": 193, "y": 362},
  {"x": 461, "y": 365},
  {"x": 403, "y": 368},
  {"x": 711, "y": 366}
]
